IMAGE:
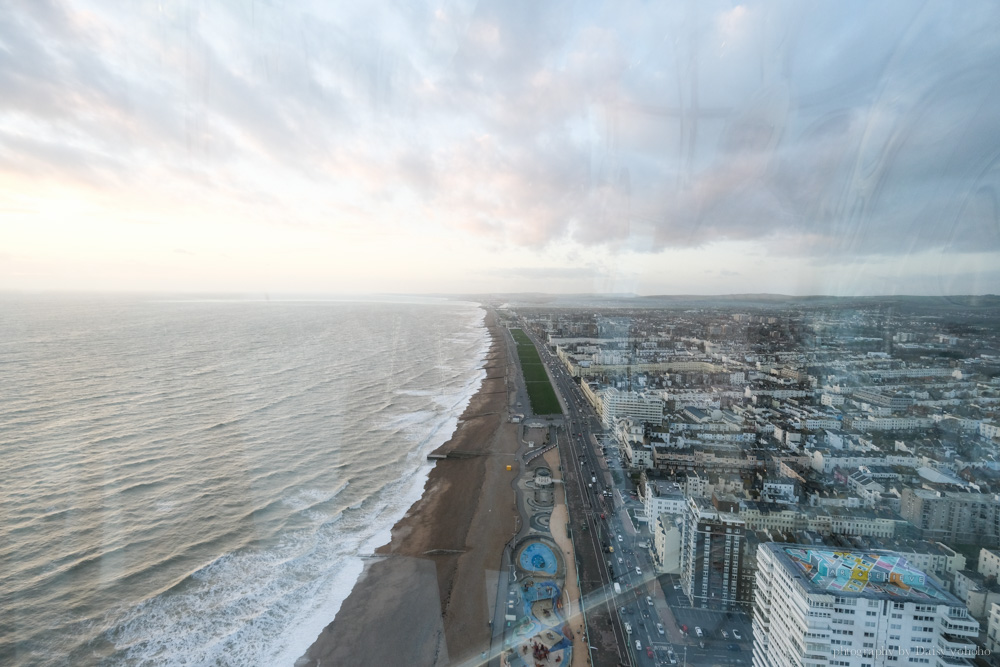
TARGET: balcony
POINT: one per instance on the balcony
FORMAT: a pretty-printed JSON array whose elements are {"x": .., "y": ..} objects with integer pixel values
[
  {"x": 969, "y": 628},
  {"x": 956, "y": 644}
]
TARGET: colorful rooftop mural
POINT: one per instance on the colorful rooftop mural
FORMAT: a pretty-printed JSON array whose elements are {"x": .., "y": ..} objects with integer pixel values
[{"x": 870, "y": 573}]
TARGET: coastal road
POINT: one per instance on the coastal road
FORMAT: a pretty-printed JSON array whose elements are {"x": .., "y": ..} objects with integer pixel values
[
  {"x": 607, "y": 636},
  {"x": 634, "y": 617},
  {"x": 624, "y": 628}
]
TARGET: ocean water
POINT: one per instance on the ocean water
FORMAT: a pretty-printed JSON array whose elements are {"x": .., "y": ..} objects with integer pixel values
[{"x": 197, "y": 483}]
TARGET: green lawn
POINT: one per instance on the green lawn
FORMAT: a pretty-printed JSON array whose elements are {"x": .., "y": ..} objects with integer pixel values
[
  {"x": 540, "y": 393},
  {"x": 534, "y": 372}
]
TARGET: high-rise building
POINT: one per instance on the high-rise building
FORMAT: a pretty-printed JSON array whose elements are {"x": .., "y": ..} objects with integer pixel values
[
  {"x": 953, "y": 516},
  {"x": 712, "y": 553},
  {"x": 822, "y": 607}
]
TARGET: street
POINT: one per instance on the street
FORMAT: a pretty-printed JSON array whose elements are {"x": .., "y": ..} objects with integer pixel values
[{"x": 646, "y": 603}]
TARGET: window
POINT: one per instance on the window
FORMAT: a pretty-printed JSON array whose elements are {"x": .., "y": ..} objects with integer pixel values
[{"x": 690, "y": 148}]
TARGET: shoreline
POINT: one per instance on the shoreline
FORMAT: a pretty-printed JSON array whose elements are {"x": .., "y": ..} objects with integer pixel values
[{"x": 402, "y": 607}]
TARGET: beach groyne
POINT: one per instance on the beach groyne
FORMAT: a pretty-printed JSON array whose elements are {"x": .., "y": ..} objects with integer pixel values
[{"x": 424, "y": 600}]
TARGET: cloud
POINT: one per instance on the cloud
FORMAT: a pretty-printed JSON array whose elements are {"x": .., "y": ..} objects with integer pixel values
[
  {"x": 536, "y": 273},
  {"x": 830, "y": 130}
]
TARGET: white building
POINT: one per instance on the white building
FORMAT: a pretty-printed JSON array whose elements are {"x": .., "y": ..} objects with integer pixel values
[
  {"x": 869, "y": 423},
  {"x": 989, "y": 563},
  {"x": 661, "y": 497},
  {"x": 823, "y": 607},
  {"x": 988, "y": 430},
  {"x": 833, "y": 400},
  {"x": 667, "y": 544},
  {"x": 867, "y": 488},
  {"x": 643, "y": 407},
  {"x": 780, "y": 490},
  {"x": 993, "y": 629}
]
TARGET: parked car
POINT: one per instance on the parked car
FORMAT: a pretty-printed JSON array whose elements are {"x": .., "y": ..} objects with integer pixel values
[
  {"x": 659, "y": 628},
  {"x": 698, "y": 632},
  {"x": 737, "y": 635}
]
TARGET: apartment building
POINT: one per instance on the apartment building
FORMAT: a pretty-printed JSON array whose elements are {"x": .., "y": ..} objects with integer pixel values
[
  {"x": 712, "y": 554},
  {"x": 614, "y": 403},
  {"x": 667, "y": 544},
  {"x": 953, "y": 516},
  {"x": 663, "y": 497},
  {"x": 821, "y": 607}
]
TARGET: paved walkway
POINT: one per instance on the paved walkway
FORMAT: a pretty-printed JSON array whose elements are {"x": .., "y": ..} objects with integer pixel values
[{"x": 557, "y": 525}]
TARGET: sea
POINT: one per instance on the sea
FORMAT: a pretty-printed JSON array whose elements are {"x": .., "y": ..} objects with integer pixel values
[{"x": 199, "y": 481}]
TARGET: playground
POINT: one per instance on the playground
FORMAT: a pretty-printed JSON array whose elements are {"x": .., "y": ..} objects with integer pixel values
[{"x": 542, "y": 638}]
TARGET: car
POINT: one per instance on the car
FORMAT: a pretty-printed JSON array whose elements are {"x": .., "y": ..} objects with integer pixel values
[
  {"x": 659, "y": 628},
  {"x": 628, "y": 628},
  {"x": 737, "y": 635},
  {"x": 671, "y": 657},
  {"x": 620, "y": 560},
  {"x": 649, "y": 651},
  {"x": 649, "y": 601},
  {"x": 677, "y": 587},
  {"x": 638, "y": 645},
  {"x": 725, "y": 635},
  {"x": 623, "y": 610},
  {"x": 638, "y": 571},
  {"x": 698, "y": 632}
]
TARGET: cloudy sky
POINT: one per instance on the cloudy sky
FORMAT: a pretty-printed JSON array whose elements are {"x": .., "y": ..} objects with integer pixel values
[{"x": 501, "y": 145}]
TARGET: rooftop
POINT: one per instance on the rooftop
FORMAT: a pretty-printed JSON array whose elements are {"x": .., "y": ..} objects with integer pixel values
[{"x": 869, "y": 574}]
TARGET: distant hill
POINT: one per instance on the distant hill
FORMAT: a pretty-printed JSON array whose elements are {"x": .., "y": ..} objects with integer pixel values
[{"x": 902, "y": 303}]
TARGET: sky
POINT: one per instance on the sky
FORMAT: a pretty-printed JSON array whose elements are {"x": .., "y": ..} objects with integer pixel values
[{"x": 674, "y": 147}]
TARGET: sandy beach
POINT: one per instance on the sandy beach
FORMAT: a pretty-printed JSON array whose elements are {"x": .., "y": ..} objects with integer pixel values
[{"x": 425, "y": 601}]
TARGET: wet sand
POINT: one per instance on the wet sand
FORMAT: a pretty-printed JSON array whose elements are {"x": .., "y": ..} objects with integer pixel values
[{"x": 425, "y": 602}]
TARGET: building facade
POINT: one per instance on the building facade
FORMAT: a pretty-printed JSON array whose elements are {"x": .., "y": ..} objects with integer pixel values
[
  {"x": 712, "y": 555},
  {"x": 953, "y": 516},
  {"x": 824, "y": 607}
]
